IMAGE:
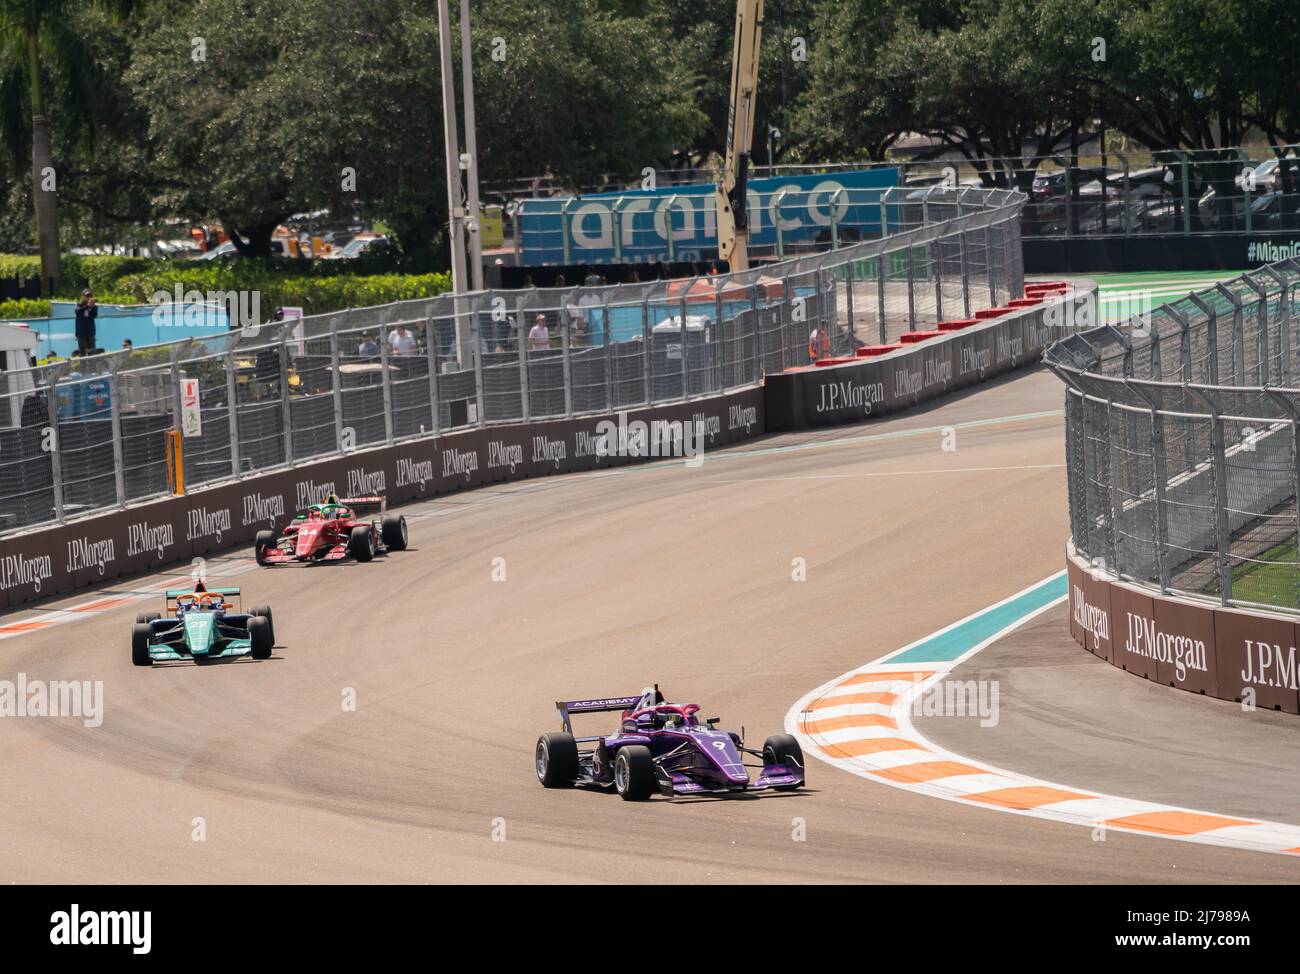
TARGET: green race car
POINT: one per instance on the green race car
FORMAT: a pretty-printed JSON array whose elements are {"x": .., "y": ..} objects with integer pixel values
[{"x": 202, "y": 624}]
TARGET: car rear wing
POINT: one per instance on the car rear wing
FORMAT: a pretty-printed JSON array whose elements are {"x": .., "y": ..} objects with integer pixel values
[
  {"x": 593, "y": 706},
  {"x": 362, "y": 505},
  {"x": 172, "y": 594}
]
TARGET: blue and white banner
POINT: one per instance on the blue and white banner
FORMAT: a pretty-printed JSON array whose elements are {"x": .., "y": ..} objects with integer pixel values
[{"x": 632, "y": 226}]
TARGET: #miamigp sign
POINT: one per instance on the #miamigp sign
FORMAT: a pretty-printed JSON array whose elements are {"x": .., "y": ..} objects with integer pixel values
[{"x": 633, "y": 226}]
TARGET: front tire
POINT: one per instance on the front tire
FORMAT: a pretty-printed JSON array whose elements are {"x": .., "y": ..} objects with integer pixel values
[
  {"x": 259, "y": 634},
  {"x": 556, "y": 759},
  {"x": 634, "y": 773},
  {"x": 361, "y": 543},
  {"x": 783, "y": 749},
  {"x": 393, "y": 532},
  {"x": 140, "y": 634},
  {"x": 265, "y": 612},
  {"x": 262, "y": 544}
]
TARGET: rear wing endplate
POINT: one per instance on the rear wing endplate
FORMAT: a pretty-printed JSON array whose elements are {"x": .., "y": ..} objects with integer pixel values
[{"x": 365, "y": 503}]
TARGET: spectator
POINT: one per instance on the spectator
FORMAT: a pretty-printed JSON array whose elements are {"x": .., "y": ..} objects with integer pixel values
[
  {"x": 539, "y": 338},
  {"x": 819, "y": 344},
  {"x": 401, "y": 341},
  {"x": 368, "y": 346},
  {"x": 86, "y": 312},
  {"x": 127, "y": 345}
]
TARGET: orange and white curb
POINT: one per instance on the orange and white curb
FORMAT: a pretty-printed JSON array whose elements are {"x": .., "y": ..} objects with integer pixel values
[{"x": 861, "y": 722}]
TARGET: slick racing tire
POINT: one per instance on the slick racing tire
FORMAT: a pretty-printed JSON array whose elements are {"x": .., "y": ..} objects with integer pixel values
[
  {"x": 265, "y": 612},
  {"x": 393, "y": 532},
  {"x": 634, "y": 773},
  {"x": 262, "y": 544},
  {"x": 557, "y": 760},
  {"x": 259, "y": 634},
  {"x": 783, "y": 749},
  {"x": 147, "y": 617},
  {"x": 361, "y": 543},
  {"x": 140, "y": 634}
]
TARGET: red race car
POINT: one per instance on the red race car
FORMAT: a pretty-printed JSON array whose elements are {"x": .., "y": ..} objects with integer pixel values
[{"x": 333, "y": 530}]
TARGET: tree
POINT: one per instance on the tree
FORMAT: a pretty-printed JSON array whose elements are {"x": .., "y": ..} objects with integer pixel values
[
  {"x": 579, "y": 89},
  {"x": 261, "y": 109},
  {"x": 41, "y": 49}
]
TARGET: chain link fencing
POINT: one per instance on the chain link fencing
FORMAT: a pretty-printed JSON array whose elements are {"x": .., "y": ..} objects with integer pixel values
[
  {"x": 1183, "y": 442},
  {"x": 91, "y": 435}
]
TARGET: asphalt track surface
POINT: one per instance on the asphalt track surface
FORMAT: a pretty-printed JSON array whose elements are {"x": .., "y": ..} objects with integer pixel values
[
  {"x": 613, "y": 580},
  {"x": 1063, "y": 711}
]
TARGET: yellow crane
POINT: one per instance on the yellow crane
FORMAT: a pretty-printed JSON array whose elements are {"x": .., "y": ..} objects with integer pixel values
[{"x": 732, "y": 211}]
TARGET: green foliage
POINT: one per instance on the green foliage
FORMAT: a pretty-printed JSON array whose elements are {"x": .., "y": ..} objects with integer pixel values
[
  {"x": 24, "y": 308},
  {"x": 313, "y": 294}
]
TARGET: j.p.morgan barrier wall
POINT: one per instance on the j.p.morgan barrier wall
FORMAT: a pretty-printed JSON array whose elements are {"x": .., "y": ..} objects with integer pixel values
[
  {"x": 1196, "y": 646},
  {"x": 71, "y": 556},
  {"x": 936, "y": 363}
]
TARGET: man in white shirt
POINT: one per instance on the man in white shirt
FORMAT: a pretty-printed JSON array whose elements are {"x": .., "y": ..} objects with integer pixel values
[{"x": 401, "y": 341}]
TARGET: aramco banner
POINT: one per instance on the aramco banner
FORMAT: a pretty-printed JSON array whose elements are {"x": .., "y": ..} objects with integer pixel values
[{"x": 633, "y": 226}]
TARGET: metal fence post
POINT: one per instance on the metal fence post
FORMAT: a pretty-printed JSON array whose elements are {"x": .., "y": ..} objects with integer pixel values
[
  {"x": 386, "y": 384},
  {"x": 566, "y": 360},
  {"x": 608, "y": 339},
  {"x": 647, "y": 361},
  {"x": 56, "y": 455},
  {"x": 232, "y": 411},
  {"x": 477, "y": 340},
  {"x": 336, "y": 383},
  {"x": 521, "y": 323},
  {"x": 115, "y": 416},
  {"x": 431, "y": 355},
  {"x": 989, "y": 261},
  {"x": 936, "y": 257},
  {"x": 286, "y": 414},
  {"x": 1211, "y": 338},
  {"x": 848, "y": 304},
  {"x": 965, "y": 272},
  {"x": 1222, "y": 528},
  {"x": 880, "y": 294},
  {"x": 686, "y": 376},
  {"x": 911, "y": 301}
]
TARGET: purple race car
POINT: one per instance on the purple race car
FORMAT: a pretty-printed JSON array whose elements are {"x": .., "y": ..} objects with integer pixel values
[{"x": 664, "y": 746}]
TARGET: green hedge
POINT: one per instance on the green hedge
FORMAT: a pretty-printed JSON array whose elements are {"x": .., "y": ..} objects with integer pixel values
[
  {"x": 315, "y": 286},
  {"x": 315, "y": 295},
  {"x": 24, "y": 308}
]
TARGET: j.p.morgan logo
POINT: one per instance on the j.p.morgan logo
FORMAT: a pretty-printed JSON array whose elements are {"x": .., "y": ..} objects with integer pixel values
[
  {"x": 309, "y": 492},
  {"x": 259, "y": 509},
  {"x": 707, "y": 426},
  {"x": 363, "y": 482},
  {"x": 973, "y": 360},
  {"x": 17, "y": 569},
  {"x": 932, "y": 372},
  {"x": 1009, "y": 348},
  {"x": 502, "y": 454},
  {"x": 850, "y": 395},
  {"x": 143, "y": 536},
  {"x": 1269, "y": 665},
  {"x": 1182, "y": 652},
  {"x": 204, "y": 524},
  {"x": 1094, "y": 620},
  {"x": 547, "y": 450},
  {"x": 411, "y": 472},
  {"x": 84, "y": 553},
  {"x": 741, "y": 417},
  {"x": 459, "y": 463}
]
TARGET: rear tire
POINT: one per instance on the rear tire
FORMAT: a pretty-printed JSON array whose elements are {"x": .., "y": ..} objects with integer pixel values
[
  {"x": 259, "y": 634},
  {"x": 361, "y": 543},
  {"x": 263, "y": 543},
  {"x": 556, "y": 759},
  {"x": 147, "y": 617},
  {"x": 783, "y": 749},
  {"x": 393, "y": 532},
  {"x": 634, "y": 773},
  {"x": 265, "y": 612},
  {"x": 140, "y": 634}
]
